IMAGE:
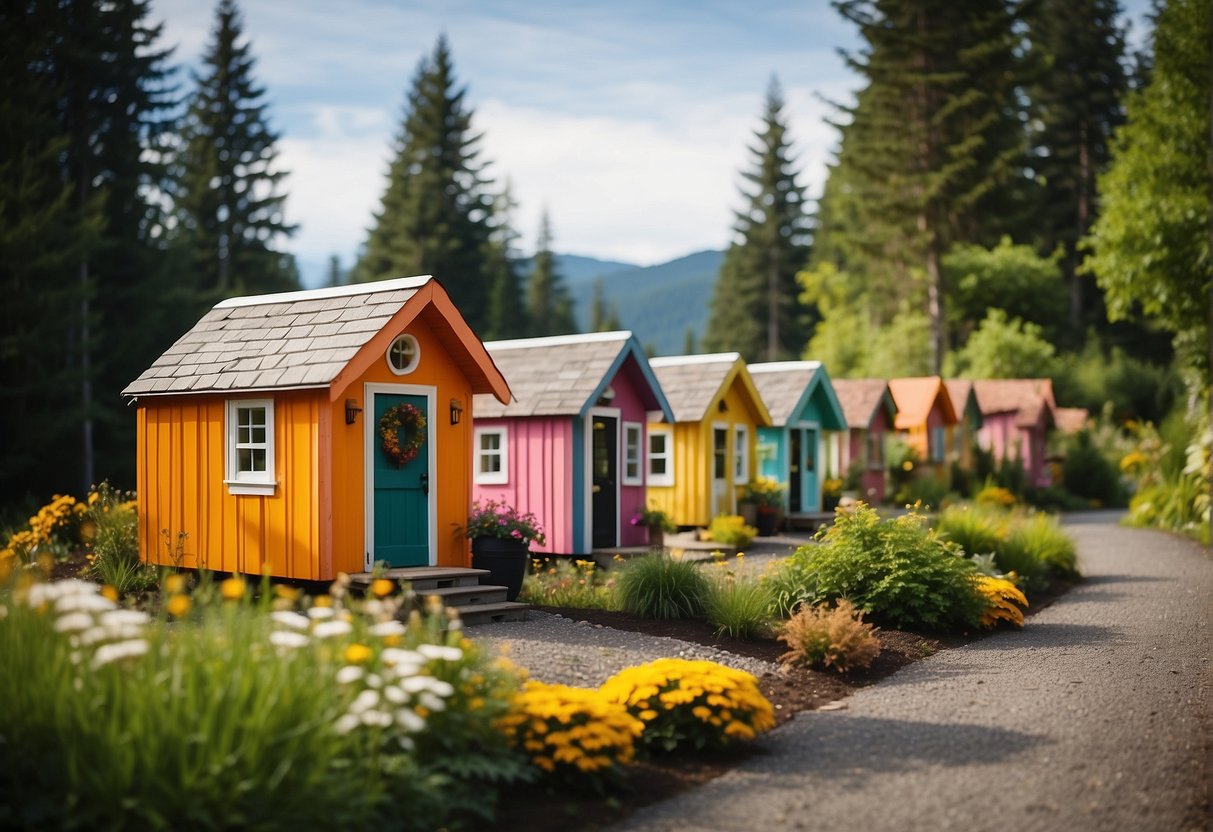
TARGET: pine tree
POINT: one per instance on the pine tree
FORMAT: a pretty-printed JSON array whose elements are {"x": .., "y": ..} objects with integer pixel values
[
  {"x": 229, "y": 199},
  {"x": 1077, "y": 56},
  {"x": 549, "y": 306},
  {"x": 506, "y": 316},
  {"x": 336, "y": 275},
  {"x": 934, "y": 150},
  {"x": 436, "y": 212},
  {"x": 754, "y": 305},
  {"x": 604, "y": 316},
  {"x": 688, "y": 342}
]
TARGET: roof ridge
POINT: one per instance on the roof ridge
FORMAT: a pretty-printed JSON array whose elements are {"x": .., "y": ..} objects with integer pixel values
[
  {"x": 558, "y": 340},
  {"x": 328, "y": 292},
  {"x": 706, "y": 358},
  {"x": 776, "y": 366}
]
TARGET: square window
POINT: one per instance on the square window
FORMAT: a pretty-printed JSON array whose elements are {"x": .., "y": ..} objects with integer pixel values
[
  {"x": 250, "y": 446},
  {"x": 661, "y": 456},
  {"x": 492, "y": 456}
]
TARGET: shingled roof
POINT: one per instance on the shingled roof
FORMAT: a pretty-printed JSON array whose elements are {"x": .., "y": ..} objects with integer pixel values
[
  {"x": 1029, "y": 398},
  {"x": 861, "y": 397},
  {"x": 563, "y": 375},
  {"x": 296, "y": 340},
  {"x": 786, "y": 387},
  {"x": 915, "y": 397},
  {"x": 692, "y": 382}
]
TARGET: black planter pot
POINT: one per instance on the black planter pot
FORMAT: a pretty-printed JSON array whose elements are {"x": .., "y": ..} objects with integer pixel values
[
  {"x": 506, "y": 561},
  {"x": 766, "y": 522}
]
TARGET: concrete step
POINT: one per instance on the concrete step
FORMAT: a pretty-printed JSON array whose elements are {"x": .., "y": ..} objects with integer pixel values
[{"x": 490, "y": 613}]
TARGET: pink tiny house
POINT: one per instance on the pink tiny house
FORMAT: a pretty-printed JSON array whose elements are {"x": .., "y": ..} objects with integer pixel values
[
  {"x": 570, "y": 446},
  {"x": 869, "y": 411},
  {"x": 1017, "y": 415}
]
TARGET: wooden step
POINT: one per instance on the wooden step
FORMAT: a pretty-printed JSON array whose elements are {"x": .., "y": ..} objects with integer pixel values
[
  {"x": 466, "y": 596},
  {"x": 491, "y": 613},
  {"x": 423, "y": 578}
]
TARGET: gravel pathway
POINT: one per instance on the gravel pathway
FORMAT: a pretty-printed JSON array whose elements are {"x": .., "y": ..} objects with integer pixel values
[{"x": 1095, "y": 717}]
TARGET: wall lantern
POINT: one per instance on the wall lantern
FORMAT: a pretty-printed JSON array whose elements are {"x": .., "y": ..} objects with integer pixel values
[
  {"x": 351, "y": 411},
  {"x": 456, "y": 411},
  {"x": 607, "y": 396}
]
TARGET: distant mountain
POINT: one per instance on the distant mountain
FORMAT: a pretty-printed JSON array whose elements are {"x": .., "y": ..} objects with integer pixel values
[
  {"x": 659, "y": 302},
  {"x": 577, "y": 269}
]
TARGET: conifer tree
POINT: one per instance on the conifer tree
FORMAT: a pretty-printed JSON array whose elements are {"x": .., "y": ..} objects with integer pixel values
[
  {"x": 229, "y": 200},
  {"x": 549, "y": 307},
  {"x": 604, "y": 316},
  {"x": 754, "y": 307},
  {"x": 1076, "y": 96},
  {"x": 506, "y": 315},
  {"x": 934, "y": 149},
  {"x": 436, "y": 212}
]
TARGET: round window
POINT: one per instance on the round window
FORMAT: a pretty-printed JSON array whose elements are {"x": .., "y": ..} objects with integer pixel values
[{"x": 403, "y": 355}]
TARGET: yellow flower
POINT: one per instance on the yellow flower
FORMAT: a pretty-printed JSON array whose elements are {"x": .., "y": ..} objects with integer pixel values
[
  {"x": 382, "y": 587},
  {"x": 174, "y": 584},
  {"x": 178, "y": 606},
  {"x": 357, "y": 654},
  {"x": 322, "y": 601},
  {"x": 110, "y": 592},
  {"x": 232, "y": 589},
  {"x": 288, "y": 593}
]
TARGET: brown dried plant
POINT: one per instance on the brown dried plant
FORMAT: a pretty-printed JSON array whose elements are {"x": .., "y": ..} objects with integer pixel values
[{"x": 826, "y": 636}]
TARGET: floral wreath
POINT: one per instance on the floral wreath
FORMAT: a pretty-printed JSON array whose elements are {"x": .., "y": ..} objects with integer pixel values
[{"x": 402, "y": 416}]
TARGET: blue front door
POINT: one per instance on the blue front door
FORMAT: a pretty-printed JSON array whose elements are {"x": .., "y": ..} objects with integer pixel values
[{"x": 401, "y": 530}]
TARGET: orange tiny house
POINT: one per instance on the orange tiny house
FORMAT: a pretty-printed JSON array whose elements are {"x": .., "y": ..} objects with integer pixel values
[{"x": 261, "y": 433}]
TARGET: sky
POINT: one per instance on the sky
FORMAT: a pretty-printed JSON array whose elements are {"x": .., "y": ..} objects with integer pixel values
[{"x": 627, "y": 120}]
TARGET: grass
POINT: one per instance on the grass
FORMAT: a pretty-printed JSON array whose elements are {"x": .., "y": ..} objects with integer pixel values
[
  {"x": 738, "y": 606},
  {"x": 654, "y": 586}
]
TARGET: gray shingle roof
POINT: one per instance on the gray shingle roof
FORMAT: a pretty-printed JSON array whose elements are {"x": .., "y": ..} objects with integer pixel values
[
  {"x": 550, "y": 376},
  {"x": 294, "y": 339},
  {"x": 691, "y": 382},
  {"x": 781, "y": 385},
  {"x": 859, "y": 398}
]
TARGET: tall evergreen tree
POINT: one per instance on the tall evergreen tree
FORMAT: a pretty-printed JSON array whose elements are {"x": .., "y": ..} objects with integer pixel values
[
  {"x": 435, "y": 217},
  {"x": 754, "y": 306},
  {"x": 229, "y": 199},
  {"x": 934, "y": 150},
  {"x": 336, "y": 275},
  {"x": 1077, "y": 52},
  {"x": 506, "y": 316},
  {"x": 549, "y": 307},
  {"x": 604, "y": 316}
]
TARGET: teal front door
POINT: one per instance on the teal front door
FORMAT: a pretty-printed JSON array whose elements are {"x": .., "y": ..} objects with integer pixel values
[
  {"x": 401, "y": 528},
  {"x": 810, "y": 495}
]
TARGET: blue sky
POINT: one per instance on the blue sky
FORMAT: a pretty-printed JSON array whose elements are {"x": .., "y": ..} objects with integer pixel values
[{"x": 627, "y": 120}]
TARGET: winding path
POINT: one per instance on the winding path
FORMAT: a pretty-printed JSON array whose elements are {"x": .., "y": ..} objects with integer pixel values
[{"x": 1097, "y": 716}]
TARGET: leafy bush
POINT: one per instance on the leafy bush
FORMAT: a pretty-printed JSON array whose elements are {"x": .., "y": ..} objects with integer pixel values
[
  {"x": 654, "y": 586},
  {"x": 561, "y": 583},
  {"x": 738, "y": 606},
  {"x": 231, "y": 713},
  {"x": 994, "y": 495},
  {"x": 691, "y": 705},
  {"x": 51, "y": 533},
  {"x": 924, "y": 490},
  {"x": 976, "y": 530},
  {"x": 1037, "y": 549},
  {"x": 897, "y": 571},
  {"x": 577, "y": 736},
  {"x": 111, "y": 531},
  {"x": 1172, "y": 468},
  {"x": 1088, "y": 473},
  {"x": 731, "y": 530},
  {"x": 826, "y": 636},
  {"x": 1004, "y": 602}
]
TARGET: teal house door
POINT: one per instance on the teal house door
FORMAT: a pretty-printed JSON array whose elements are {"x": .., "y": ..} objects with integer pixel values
[
  {"x": 401, "y": 520},
  {"x": 810, "y": 494}
]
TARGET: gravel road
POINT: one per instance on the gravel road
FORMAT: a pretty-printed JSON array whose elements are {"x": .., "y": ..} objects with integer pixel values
[{"x": 1097, "y": 716}]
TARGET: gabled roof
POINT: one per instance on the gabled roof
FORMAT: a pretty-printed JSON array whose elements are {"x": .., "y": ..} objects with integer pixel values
[
  {"x": 915, "y": 397},
  {"x": 787, "y": 387},
  {"x": 566, "y": 375},
  {"x": 1031, "y": 399},
  {"x": 694, "y": 383},
  {"x": 1071, "y": 419},
  {"x": 312, "y": 339},
  {"x": 964, "y": 399},
  {"x": 861, "y": 399}
]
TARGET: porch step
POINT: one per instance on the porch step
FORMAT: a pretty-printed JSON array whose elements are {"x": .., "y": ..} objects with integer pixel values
[
  {"x": 494, "y": 613},
  {"x": 457, "y": 587},
  {"x": 466, "y": 596},
  {"x": 424, "y": 578}
]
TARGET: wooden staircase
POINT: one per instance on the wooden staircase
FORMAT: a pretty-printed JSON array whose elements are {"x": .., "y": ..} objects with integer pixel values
[{"x": 457, "y": 587}]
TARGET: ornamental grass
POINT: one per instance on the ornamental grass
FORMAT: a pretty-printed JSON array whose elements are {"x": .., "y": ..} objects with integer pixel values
[
  {"x": 654, "y": 586},
  {"x": 832, "y": 637},
  {"x": 578, "y": 737},
  {"x": 1004, "y": 602},
  {"x": 691, "y": 705}
]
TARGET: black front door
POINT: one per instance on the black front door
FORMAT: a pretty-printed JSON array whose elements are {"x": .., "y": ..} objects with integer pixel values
[
  {"x": 795, "y": 460},
  {"x": 604, "y": 468}
]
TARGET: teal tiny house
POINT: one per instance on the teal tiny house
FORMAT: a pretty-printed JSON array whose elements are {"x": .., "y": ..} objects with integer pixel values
[{"x": 802, "y": 403}]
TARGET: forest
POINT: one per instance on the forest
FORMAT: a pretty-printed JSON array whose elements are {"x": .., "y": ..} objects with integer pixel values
[{"x": 1012, "y": 194}]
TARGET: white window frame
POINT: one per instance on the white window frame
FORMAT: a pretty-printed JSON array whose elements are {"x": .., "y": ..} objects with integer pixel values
[
  {"x": 633, "y": 461},
  {"x": 387, "y": 356},
  {"x": 502, "y": 476},
  {"x": 667, "y": 434},
  {"x": 741, "y": 454},
  {"x": 261, "y": 483}
]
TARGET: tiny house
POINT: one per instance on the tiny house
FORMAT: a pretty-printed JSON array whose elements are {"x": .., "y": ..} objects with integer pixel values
[
  {"x": 698, "y": 465},
  {"x": 569, "y": 447},
  {"x": 925, "y": 414},
  {"x": 963, "y": 436},
  {"x": 869, "y": 410},
  {"x": 309, "y": 433},
  {"x": 1017, "y": 416},
  {"x": 802, "y": 404}
]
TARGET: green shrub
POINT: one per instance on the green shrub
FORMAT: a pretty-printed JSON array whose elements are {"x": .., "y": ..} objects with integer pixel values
[
  {"x": 113, "y": 525},
  {"x": 1036, "y": 549},
  {"x": 560, "y": 582},
  {"x": 1088, "y": 473},
  {"x": 731, "y": 530},
  {"x": 834, "y": 637},
  {"x": 976, "y": 530},
  {"x": 738, "y": 606},
  {"x": 654, "y": 586},
  {"x": 897, "y": 571},
  {"x": 924, "y": 490}
]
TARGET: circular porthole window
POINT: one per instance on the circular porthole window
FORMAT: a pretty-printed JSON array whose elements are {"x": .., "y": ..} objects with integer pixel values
[{"x": 403, "y": 355}]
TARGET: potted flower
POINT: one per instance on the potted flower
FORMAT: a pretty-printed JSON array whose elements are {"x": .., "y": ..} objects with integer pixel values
[
  {"x": 831, "y": 493},
  {"x": 766, "y": 495},
  {"x": 657, "y": 522},
  {"x": 501, "y": 538}
]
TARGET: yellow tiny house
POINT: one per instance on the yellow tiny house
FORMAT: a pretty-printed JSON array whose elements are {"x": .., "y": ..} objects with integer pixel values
[
  {"x": 698, "y": 465},
  {"x": 309, "y": 433}
]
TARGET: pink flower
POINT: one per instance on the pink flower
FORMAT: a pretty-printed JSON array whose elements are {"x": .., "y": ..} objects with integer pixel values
[{"x": 516, "y": 534}]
